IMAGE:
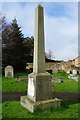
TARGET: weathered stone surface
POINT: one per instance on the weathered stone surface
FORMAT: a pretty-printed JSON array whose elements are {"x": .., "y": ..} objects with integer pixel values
[
  {"x": 42, "y": 86},
  {"x": 9, "y": 71},
  {"x": 42, "y": 105},
  {"x": 39, "y": 50},
  {"x": 39, "y": 93},
  {"x": 74, "y": 72}
]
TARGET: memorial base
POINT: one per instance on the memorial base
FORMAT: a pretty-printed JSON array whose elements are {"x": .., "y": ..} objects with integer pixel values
[{"x": 33, "y": 106}]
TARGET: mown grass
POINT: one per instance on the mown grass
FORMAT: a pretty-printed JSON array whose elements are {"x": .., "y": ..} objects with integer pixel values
[
  {"x": 11, "y": 85},
  {"x": 60, "y": 74},
  {"x": 68, "y": 85},
  {"x": 0, "y": 110},
  {"x": 21, "y": 74},
  {"x": 13, "y": 109},
  {"x": 0, "y": 84},
  {"x": 68, "y": 109}
]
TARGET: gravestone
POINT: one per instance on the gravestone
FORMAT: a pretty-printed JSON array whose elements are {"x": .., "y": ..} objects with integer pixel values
[
  {"x": 68, "y": 72},
  {"x": 74, "y": 72},
  {"x": 39, "y": 94},
  {"x": 9, "y": 71}
]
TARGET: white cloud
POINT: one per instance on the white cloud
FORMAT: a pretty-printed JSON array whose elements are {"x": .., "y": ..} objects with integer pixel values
[
  {"x": 62, "y": 37},
  {"x": 61, "y": 33},
  {"x": 24, "y": 16}
]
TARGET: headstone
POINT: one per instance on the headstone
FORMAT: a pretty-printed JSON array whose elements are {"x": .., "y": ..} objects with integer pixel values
[
  {"x": 39, "y": 94},
  {"x": 68, "y": 72},
  {"x": 73, "y": 76},
  {"x": 74, "y": 72},
  {"x": 9, "y": 71}
]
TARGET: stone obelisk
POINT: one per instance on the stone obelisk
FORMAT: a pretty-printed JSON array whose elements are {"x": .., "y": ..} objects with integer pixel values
[
  {"x": 39, "y": 50},
  {"x": 39, "y": 93}
]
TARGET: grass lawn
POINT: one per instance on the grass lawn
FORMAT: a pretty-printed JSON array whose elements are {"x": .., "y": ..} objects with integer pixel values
[
  {"x": 68, "y": 85},
  {"x": 13, "y": 109},
  {"x": 69, "y": 109},
  {"x": 0, "y": 110},
  {"x": 0, "y": 83},
  {"x": 60, "y": 74},
  {"x": 11, "y": 85},
  {"x": 21, "y": 74}
]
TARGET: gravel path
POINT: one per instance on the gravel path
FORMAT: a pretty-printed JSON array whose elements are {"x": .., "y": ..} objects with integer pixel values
[{"x": 15, "y": 96}]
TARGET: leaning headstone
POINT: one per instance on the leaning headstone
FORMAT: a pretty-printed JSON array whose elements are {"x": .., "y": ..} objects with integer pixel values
[
  {"x": 39, "y": 94},
  {"x": 9, "y": 71}
]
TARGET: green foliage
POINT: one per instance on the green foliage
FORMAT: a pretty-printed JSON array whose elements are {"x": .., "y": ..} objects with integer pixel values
[
  {"x": 16, "y": 48},
  {"x": 60, "y": 74},
  {"x": 11, "y": 85},
  {"x": 13, "y": 49},
  {"x": 69, "y": 109},
  {"x": 21, "y": 74},
  {"x": 29, "y": 45},
  {"x": 67, "y": 85},
  {"x": 0, "y": 84},
  {"x": 0, "y": 110}
]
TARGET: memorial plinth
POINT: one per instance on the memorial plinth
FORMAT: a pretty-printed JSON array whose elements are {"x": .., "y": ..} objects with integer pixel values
[{"x": 39, "y": 94}]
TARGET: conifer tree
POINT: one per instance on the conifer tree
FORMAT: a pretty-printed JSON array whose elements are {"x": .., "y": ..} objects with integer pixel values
[
  {"x": 13, "y": 49},
  {"x": 17, "y": 49}
]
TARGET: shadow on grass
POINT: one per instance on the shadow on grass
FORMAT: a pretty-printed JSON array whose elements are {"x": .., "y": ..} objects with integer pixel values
[
  {"x": 47, "y": 114},
  {"x": 65, "y": 104}
]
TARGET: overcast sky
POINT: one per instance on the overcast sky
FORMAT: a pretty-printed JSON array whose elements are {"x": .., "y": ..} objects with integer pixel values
[{"x": 61, "y": 25}]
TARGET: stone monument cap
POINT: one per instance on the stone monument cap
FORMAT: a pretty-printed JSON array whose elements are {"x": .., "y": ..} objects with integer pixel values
[{"x": 40, "y": 5}]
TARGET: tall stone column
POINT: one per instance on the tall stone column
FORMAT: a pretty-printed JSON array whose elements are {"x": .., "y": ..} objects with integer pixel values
[
  {"x": 39, "y": 49},
  {"x": 39, "y": 94}
]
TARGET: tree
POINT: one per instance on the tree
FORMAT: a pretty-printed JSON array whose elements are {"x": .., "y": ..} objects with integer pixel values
[
  {"x": 49, "y": 54},
  {"x": 17, "y": 50},
  {"x": 0, "y": 43},
  {"x": 14, "y": 51},
  {"x": 29, "y": 45},
  {"x": 5, "y": 30},
  {"x": 16, "y": 46}
]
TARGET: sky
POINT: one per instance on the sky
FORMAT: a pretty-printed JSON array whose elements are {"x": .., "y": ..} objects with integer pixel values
[{"x": 60, "y": 25}]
